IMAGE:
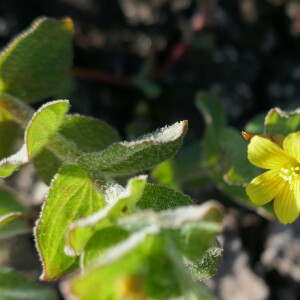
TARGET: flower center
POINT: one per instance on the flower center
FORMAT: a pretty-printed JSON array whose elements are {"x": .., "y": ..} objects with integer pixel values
[{"x": 290, "y": 173}]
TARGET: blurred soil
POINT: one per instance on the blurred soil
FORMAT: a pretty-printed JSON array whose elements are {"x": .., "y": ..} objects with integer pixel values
[{"x": 138, "y": 65}]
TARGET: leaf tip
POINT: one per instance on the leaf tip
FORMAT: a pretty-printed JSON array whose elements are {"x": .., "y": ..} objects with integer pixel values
[{"x": 69, "y": 24}]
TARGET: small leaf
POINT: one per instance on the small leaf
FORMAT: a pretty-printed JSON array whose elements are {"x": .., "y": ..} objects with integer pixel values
[
  {"x": 100, "y": 242},
  {"x": 279, "y": 121},
  {"x": 256, "y": 125},
  {"x": 239, "y": 171},
  {"x": 80, "y": 231},
  {"x": 72, "y": 195},
  {"x": 12, "y": 163},
  {"x": 161, "y": 198},
  {"x": 208, "y": 264},
  {"x": 9, "y": 203},
  {"x": 14, "y": 286},
  {"x": 44, "y": 123},
  {"x": 35, "y": 63},
  {"x": 9, "y": 131},
  {"x": 165, "y": 174},
  {"x": 13, "y": 215},
  {"x": 127, "y": 158},
  {"x": 213, "y": 112}
]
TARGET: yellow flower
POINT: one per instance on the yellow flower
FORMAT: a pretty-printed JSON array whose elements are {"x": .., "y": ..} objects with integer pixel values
[{"x": 282, "y": 180}]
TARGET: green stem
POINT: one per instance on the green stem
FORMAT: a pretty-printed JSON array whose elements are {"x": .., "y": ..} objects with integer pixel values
[{"x": 17, "y": 109}]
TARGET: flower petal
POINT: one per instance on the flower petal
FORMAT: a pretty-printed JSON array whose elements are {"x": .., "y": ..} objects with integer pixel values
[
  {"x": 291, "y": 145},
  {"x": 265, "y": 154},
  {"x": 263, "y": 188},
  {"x": 286, "y": 203}
]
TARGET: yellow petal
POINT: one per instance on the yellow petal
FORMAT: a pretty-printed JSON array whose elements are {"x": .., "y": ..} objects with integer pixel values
[
  {"x": 265, "y": 154},
  {"x": 263, "y": 188},
  {"x": 286, "y": 203},
  {"x": 291, "y": 145}
]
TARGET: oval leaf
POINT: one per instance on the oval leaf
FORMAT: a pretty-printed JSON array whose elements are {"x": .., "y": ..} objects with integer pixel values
[
  {"x": 72, "y": 195},
  {"x": 127, "y": 158},
  {"x": 161, "y": 198},
  {"x": 35, "y": 63},
  {"x": 44, "y": 123}
]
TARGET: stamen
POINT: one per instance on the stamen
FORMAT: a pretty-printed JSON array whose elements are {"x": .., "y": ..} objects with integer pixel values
[{"x": 290, "y": 173}]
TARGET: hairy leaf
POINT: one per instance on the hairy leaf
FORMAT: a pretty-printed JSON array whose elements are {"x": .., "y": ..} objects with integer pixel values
[
  {"x": 86, "y": 134},
  {"x": 44, "y": 124},
  {"x": 100, "y": 242},
  {"x": 124, "y": 202},
  {"x": 35, "y": 63},
  {"x": 161, "y": 198},
  {"x": 127, "y": 158},
  {"x": 72, "y": 195},
  {"x": 191, "y": 228},
  {"x": 279, "y": 121},
  {"x": 142, "y": 266},
  {"x": 208, "y": 264}
]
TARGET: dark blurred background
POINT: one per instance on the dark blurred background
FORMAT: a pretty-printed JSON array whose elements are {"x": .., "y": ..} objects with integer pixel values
[
  {"x": 138, "y": 65},
  {"x": 145, "y": 60}
]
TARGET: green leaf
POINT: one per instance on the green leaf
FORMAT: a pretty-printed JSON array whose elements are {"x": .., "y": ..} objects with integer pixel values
[
  {"x": 101, "y": 241},
  {"x": 191, "y": 228},
  {"x": 212, "y": 109},
  {"x": 256, "y": 125},
  {"x": 208, "y": 264},
  {"x": 165, "y": 174},
  {"x": 279, "y": 121},
  {"x": 127, "y": 158},
  {"x": 13, "y": 215},
  {"x": 122, "y": 202},
  {"x": 9, "y": 131},
  {"x": 140, "y": 267},
  {"x": 238, "y": 194},
  {"x": 35, "y": 63},
  {"x": 14, "y": 286},
  {"x": 44, "y": 124},
  {"x": 12, "y": 163},
  {"x": 72, "y": 195},
  {"x": 161, "y": 198},
  {"x": 239, "y": 170},
  {"x": 9, "y": 202},
  {"x": 213, "y": 112},
  {"x": 47, "y": 165},
  {"x": 85, "y": 133}
]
